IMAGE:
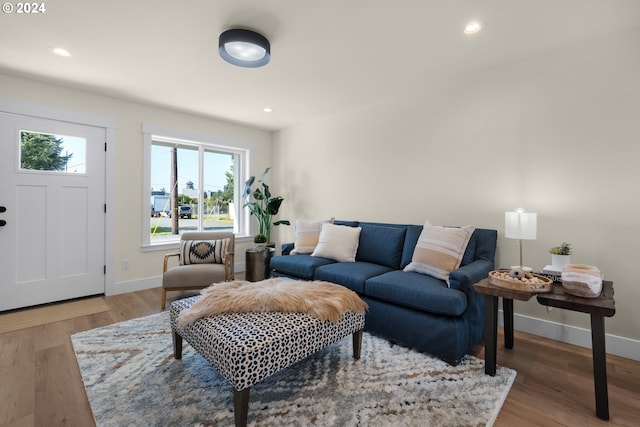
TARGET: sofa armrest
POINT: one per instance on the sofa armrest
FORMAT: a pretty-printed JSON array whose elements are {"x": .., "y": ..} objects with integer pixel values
[
  {"x": 287, "y": 248},
  {"x": 464, "y": 277}
]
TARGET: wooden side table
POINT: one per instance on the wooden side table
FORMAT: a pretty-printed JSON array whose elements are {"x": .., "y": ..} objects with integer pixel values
[{"x": 597, "y": 308}]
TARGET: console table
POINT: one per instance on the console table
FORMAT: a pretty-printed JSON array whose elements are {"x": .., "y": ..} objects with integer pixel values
[{"x": 597, "y": 308}]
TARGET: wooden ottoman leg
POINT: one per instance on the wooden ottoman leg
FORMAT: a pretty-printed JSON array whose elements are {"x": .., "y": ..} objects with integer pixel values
[
  {"x": 241, "y": 406},
  {"x": 177, "y": 345},
  {"x": 357, "y": 344}
]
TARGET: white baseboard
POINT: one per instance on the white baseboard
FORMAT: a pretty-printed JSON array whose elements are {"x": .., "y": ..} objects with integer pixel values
[
  {"x": 135, "y": 285},
  {"x": 616, "y": 345}
]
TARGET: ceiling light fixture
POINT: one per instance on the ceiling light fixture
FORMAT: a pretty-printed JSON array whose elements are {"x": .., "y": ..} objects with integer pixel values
[
  {"x": 59, "y": 51},
  {"x": 267, "y": 109},
  {"x": 473, "y": 27},
  {"x": 244, "y": 48}
]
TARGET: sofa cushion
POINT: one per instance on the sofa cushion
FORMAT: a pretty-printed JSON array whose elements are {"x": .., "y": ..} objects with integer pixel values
[
  {"x": 350, "y": 274},
  {"x": 411, "y": 239},
  {"x": 416, "y": 291},
  {"x": 338, "y": 242},
  {"x": 307, "y": 234},
  {"x": 439, "y": 250},
  {"x": 301, "y": 265},
  {"x": 381, "y": 245}
]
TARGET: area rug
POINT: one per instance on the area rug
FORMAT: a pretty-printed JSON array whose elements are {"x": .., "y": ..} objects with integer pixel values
[{"x": 132, "y": 379}]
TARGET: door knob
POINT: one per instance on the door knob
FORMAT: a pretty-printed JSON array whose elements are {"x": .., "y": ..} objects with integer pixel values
[
  {"x": 3, "y": 209},
  {"x": 3, "y": 222}
]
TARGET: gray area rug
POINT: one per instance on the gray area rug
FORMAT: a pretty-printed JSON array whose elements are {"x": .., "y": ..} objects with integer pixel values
[{"x": 132, "y": 379}]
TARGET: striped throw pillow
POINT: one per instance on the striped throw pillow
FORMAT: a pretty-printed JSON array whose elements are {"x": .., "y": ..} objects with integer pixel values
[
  {"x": 307, "y": 234},
  {"x": 439, "y": 250},
  {"x": 203, "y": 251}
]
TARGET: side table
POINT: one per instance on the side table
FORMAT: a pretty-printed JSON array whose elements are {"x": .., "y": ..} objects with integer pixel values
[
  {"x": 258, "y": 262},
  {"x": 597, "y": 308}
]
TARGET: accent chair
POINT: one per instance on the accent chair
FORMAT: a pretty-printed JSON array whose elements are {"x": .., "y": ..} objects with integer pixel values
[{"x": 204, "y": 258}]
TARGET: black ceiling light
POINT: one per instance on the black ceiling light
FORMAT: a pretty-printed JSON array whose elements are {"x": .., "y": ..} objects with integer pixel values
[{"x": 244, "y": 48}]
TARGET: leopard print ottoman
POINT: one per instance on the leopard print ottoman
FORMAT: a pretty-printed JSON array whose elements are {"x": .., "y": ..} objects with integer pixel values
[{"x": 248, "y": 347}]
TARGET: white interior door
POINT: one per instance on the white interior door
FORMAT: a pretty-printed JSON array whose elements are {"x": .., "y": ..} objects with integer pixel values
[{"x": 52, "y": 214}]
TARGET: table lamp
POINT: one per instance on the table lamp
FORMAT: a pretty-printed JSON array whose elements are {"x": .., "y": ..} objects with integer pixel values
[{"x": 520, "y": 225}]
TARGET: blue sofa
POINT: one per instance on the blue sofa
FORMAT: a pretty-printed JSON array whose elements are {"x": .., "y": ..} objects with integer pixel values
[{"x": 409, "y": 308}]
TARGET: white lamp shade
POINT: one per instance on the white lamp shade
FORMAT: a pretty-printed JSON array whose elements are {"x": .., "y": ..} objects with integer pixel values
[{"x": 520, "y": 225}]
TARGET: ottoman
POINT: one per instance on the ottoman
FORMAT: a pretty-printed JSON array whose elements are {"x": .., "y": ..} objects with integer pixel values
[{"x": 248, "y": 347}]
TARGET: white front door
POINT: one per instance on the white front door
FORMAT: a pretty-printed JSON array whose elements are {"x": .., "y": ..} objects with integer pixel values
[{"x": 52, "y": 211}]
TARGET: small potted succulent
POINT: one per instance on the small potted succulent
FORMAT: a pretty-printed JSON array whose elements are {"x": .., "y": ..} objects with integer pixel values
[{"x": 560, "y": 255}]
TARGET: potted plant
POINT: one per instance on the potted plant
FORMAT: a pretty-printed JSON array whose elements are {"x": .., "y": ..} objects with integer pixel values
[
  {"x": 262, "y": 205},
  {"x": 560, "y": 255},
  {"x": 261, "y": 242}
]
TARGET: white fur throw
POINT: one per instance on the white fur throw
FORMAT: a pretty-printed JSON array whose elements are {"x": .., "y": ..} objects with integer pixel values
[{"x": 323, "y": 300}]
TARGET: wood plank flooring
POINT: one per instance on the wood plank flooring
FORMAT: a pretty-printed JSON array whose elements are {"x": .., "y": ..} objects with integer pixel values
[{"x": 40, "y": 384}]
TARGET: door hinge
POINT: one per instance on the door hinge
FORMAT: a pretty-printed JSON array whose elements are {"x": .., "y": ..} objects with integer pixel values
[
  {"x": 105, "y": 208},
  {"x": 105, "y": 146},
  {"x": 105, "y": 269}
]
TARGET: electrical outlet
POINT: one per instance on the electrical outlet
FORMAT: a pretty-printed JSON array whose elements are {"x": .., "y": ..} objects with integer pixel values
[{"x": 125, "y": 264}]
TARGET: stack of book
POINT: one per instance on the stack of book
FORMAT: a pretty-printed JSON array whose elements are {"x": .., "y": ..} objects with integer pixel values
[{"x": 553, "y": 273}]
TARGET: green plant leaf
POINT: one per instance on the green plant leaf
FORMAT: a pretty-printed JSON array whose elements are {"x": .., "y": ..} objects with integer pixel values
[
  {"x": 273, "y": 205},
  {"x": 266, "y": 171},
  {"x": 258, "y": 194},
  {"x": 247, "y": 186}
]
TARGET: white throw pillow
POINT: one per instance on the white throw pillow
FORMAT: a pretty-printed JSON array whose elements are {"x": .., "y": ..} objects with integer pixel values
[
  {"x": 338, "y": 242},
  {"x": 307, "y": 234},
  {"x": 439, "y": 250}
]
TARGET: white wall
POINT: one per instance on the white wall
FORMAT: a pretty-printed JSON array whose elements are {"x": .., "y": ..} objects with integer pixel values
[
  {"x": 145, "y": 268},
  {"x": 556, "y": 134}
]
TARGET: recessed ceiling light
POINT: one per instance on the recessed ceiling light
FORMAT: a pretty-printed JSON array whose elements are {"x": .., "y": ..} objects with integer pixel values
[
  {"x": 473, "y": 27},
  {"x": 267, "y": 109},
  {"x": 59, "y": 51}
]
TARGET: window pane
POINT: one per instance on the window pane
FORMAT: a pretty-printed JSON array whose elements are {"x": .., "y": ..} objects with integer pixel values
[
  {"x": 218, "y": 190},
  {"x": 186, "y": 158},
  {"x": 208, "y": 186},
  {"x": 54, "y": 153}
]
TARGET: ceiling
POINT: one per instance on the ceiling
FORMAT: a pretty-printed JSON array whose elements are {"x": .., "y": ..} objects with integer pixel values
[{"x": 327, "y": 56}]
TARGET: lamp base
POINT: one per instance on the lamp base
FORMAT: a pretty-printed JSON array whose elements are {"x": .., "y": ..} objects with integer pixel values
[{"x": 527, "y": 269}]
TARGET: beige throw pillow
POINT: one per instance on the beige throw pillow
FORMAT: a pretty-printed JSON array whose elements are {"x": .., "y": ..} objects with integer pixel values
[
  {"x": 307, "y": 234},
  {"x": 338, "y": 242},
  {"x": 439, "y": 250}
]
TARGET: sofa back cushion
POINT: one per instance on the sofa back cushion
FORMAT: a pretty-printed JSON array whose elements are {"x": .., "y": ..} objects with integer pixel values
[
  {"x": 410, "y": 241},
  {"x": 381, "y": 244}
]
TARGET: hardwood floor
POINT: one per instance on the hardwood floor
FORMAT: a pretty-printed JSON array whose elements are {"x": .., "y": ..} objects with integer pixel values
[{"x": 40, "y": 384}]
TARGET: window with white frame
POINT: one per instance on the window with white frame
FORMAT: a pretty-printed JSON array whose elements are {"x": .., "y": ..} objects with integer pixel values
[{"x": 192, "y": 183}]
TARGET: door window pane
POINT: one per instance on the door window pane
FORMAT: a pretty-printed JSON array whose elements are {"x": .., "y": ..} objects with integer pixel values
[{"x": 52, "y": 153}]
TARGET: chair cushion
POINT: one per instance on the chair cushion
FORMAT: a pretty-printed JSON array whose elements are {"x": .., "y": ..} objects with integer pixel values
[
  {"x": 203, "y": 251},
  {"x": 193, "y": 276}
]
